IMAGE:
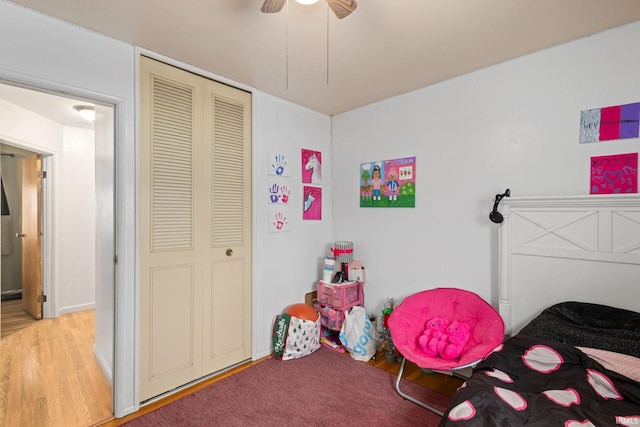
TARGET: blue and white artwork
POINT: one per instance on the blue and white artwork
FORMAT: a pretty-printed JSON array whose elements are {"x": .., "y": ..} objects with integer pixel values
[{"x": 278, "y": 164}]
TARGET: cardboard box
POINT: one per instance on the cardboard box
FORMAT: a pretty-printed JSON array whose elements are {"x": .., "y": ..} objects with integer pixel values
[{"x": 356, "y": 272}]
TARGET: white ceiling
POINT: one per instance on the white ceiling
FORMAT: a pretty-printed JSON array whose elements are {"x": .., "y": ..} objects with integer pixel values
[
  {"x": 54, "y": 107},
  {"x": 306, "y": 55}
]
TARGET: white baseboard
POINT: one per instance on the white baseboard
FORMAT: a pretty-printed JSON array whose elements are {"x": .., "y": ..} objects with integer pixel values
[
  {"x": 104, "y": 365},
  {"x": 74, "y": 308}
]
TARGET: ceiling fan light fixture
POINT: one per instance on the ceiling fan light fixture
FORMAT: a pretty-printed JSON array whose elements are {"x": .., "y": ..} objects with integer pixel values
[
  {"x": 87, "y": 112},
  {"x": 341, "y": 8}
]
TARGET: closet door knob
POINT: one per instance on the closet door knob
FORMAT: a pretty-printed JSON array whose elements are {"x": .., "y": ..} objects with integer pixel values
[
  {"x": 229, "y": 252},
  {"x": 19, "y": 234}
]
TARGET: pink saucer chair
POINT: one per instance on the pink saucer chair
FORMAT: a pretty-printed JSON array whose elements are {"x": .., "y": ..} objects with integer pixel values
[{"x": 409, "y": 319}]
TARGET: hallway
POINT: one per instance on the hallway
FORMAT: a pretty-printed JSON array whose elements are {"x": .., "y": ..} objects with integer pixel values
[{"x": 50, "y": 377}]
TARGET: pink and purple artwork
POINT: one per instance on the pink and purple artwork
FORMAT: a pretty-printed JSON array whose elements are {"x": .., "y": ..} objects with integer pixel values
[
  {"x": 279, "y": 193},
  {"x": 608, "y": 123},
  {"x": 312, "y": 202},
  {"x": 617, "y": 173}
]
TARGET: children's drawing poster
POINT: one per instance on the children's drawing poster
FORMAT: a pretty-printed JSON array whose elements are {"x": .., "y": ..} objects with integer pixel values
[
  {"x": 388, "y": 183},
  {"x": 311, "y": 167},
  {"x": 279, "y": 193},
  {"x": 614, "y": 174},
  {"x": 278, "y": 164},
  {"x": 278, "y": 221},
  {"x": 312, "y": 202},
  {"x": 605, "y": 124}
]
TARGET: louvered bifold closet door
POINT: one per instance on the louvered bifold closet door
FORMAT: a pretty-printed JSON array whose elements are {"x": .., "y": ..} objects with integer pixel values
[
  {"x": 195, "y": 227},
  {"x": 227, "y": 289},
  {"x": 170, "y": 270}
]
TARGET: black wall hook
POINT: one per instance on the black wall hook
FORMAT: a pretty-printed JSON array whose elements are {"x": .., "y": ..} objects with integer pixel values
[{"x": 496, "y": 216}]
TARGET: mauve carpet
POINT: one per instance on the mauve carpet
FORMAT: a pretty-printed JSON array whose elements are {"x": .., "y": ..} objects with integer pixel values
[{"x": 323, "y": 389}]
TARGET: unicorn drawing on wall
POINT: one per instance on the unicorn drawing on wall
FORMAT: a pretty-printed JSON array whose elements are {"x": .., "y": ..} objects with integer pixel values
[
  {"x": 315, "y": 166},
  {"x": 312, "y": 207},
  {"x": 308, "y": 201}
]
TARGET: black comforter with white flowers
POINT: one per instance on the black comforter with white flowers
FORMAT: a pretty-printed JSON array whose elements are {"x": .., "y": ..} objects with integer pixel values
[{"x": 537, "y": 381}]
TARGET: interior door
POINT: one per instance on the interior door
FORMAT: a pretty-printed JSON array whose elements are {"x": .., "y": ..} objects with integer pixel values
[
  {"x": 227, "y": 273},
  {"x": 195, "y": 227},
  {"x": 170, "y": 298},
  {"x": 31, "y": 240}
]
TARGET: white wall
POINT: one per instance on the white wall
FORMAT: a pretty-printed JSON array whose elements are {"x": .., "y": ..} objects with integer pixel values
[
  {"x": 286, "y": 265},
  {"x": 513, "y": 125},
  {"x": 105, "y": 241},
  {"x": 76, "y": 221}
]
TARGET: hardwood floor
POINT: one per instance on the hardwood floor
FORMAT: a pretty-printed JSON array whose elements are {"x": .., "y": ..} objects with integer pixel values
[
  {"x": 445, "y": 384},
  {"x": 50, "y": 377},
  {"x": 14, "y": 317}
]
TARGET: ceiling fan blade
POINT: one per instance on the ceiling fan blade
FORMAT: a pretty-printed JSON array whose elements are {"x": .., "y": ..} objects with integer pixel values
[
  {"x": 342, "y": 8},
  {"x": 272, "y": 6}
]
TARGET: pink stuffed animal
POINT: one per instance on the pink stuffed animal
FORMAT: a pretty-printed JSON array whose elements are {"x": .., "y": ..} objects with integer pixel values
[
  {"x": 453, "y": 341},
  {"x": 433, "y": 331}
]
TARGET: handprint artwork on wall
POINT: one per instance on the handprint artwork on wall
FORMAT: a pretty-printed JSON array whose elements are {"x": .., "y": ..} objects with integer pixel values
[
  {"x": 278, "y": 164},
  {"x": 278, "y": 221},
  {"x": 284, "y": 194},
  {"x": 274, "y": 189},
  {"x": 279, "y": 193}
]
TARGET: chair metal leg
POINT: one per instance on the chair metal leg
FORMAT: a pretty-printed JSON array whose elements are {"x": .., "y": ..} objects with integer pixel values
[{"x": 411, "y": 398}]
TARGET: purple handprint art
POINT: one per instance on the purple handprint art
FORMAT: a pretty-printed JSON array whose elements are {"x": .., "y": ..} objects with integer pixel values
[
  {"x": 274, "y": 190},
  {"x": 278, "y": 193}
]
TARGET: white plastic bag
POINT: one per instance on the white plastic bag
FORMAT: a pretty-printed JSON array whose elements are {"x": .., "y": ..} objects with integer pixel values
[{"x": 357, "y": 333}]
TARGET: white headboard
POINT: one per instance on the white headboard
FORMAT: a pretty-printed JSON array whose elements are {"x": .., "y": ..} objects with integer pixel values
[{"x": 555, "y": 249}]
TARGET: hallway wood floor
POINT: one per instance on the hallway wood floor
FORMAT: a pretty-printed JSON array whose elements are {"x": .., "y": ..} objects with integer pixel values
[
  {"x": 14, "y": 317},
  {"x": 50, "y": 377}
]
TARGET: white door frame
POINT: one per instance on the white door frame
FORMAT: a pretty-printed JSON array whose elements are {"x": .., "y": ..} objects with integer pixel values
[{"x": 124, "y": 361}]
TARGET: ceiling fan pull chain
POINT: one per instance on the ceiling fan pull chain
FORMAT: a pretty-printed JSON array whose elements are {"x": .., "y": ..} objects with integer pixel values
[
  {"x": 327, "y": 44},
  {"x": 287, "y": 47}
]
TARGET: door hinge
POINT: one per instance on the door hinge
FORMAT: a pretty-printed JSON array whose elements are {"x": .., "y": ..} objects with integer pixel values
[
  {"x": 115, "y": 259},
  {"x": 43, "y": 174},
  {"x": 42, "y": 298}
]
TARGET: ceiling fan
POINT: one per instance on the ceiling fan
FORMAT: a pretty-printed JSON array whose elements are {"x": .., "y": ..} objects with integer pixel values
[{"x": 341, "y": 8}]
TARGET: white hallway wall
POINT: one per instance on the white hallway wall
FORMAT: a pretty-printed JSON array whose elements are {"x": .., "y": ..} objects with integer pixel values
[
  {"x": 78, "y": 220},
  {"x": 513, "y": 125}
]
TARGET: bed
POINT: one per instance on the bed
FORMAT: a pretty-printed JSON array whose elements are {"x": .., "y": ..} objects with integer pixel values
[{"x": 569, "y": 293}]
